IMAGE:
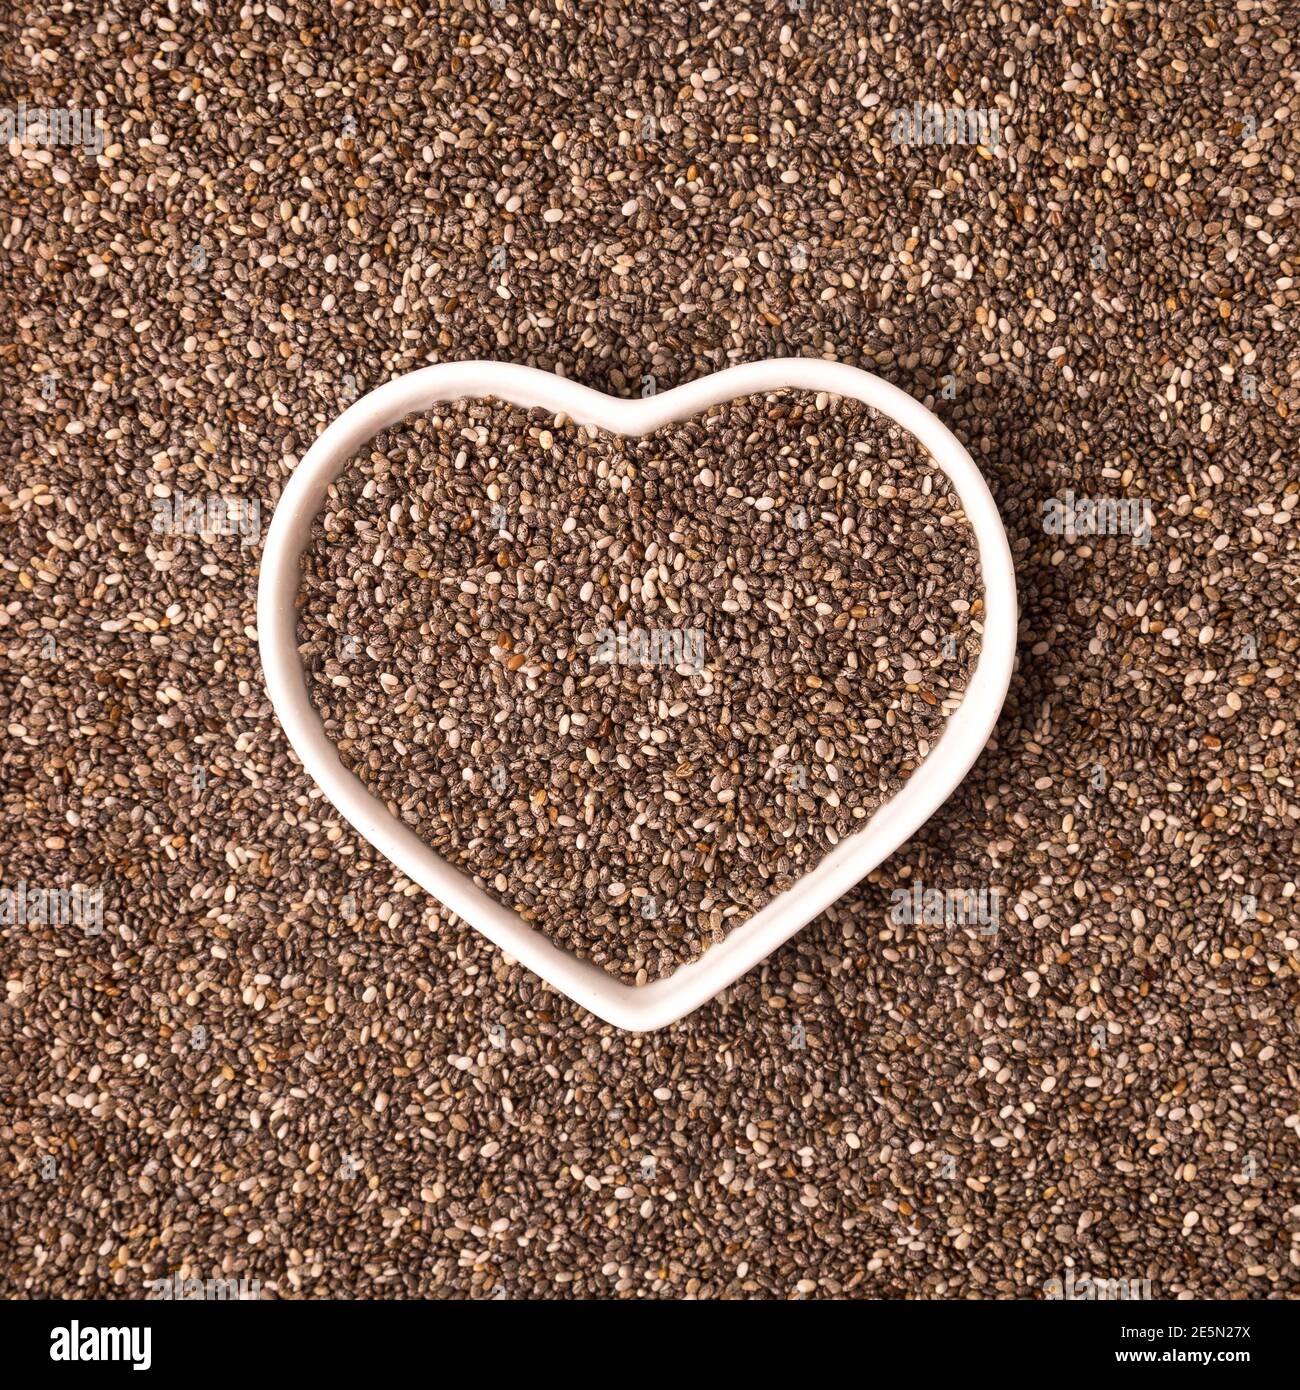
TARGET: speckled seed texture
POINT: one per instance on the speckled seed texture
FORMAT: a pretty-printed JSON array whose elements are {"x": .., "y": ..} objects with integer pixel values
[
  {"x": 1053, "y": 1038},
  {"x": 636, "y": 687}
]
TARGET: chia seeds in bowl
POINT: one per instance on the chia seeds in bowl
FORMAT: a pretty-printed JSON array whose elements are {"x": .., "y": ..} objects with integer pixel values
[{"x": 637, "y": 687}]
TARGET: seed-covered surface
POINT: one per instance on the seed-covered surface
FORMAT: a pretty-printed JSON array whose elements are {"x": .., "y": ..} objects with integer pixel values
[
  {"x": 638, "y": 686},
  {"x": 279, "y": 1060}
]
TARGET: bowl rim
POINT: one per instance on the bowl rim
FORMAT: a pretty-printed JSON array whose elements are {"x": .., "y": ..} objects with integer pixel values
[{"x": 636, "y": 1008}]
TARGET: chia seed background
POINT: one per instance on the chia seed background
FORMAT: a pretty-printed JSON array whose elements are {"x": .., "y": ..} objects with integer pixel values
[{"x": 278, "y": 1061}]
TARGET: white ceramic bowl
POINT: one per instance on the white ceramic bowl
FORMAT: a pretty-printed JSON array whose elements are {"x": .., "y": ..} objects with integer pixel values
[{"x": 653, "y": 1005}]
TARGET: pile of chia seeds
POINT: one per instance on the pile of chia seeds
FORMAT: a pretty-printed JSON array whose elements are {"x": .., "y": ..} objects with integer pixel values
[
  {"x": 639, "y": 686},
  {"x": 1053, "y": 1038}
]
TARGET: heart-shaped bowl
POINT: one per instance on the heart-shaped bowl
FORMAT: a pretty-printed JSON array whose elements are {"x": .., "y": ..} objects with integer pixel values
[{"x": 633, "y": 1007}]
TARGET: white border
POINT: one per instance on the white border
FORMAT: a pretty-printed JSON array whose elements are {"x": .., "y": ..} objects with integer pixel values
[{"x": 668, "y": 999}]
